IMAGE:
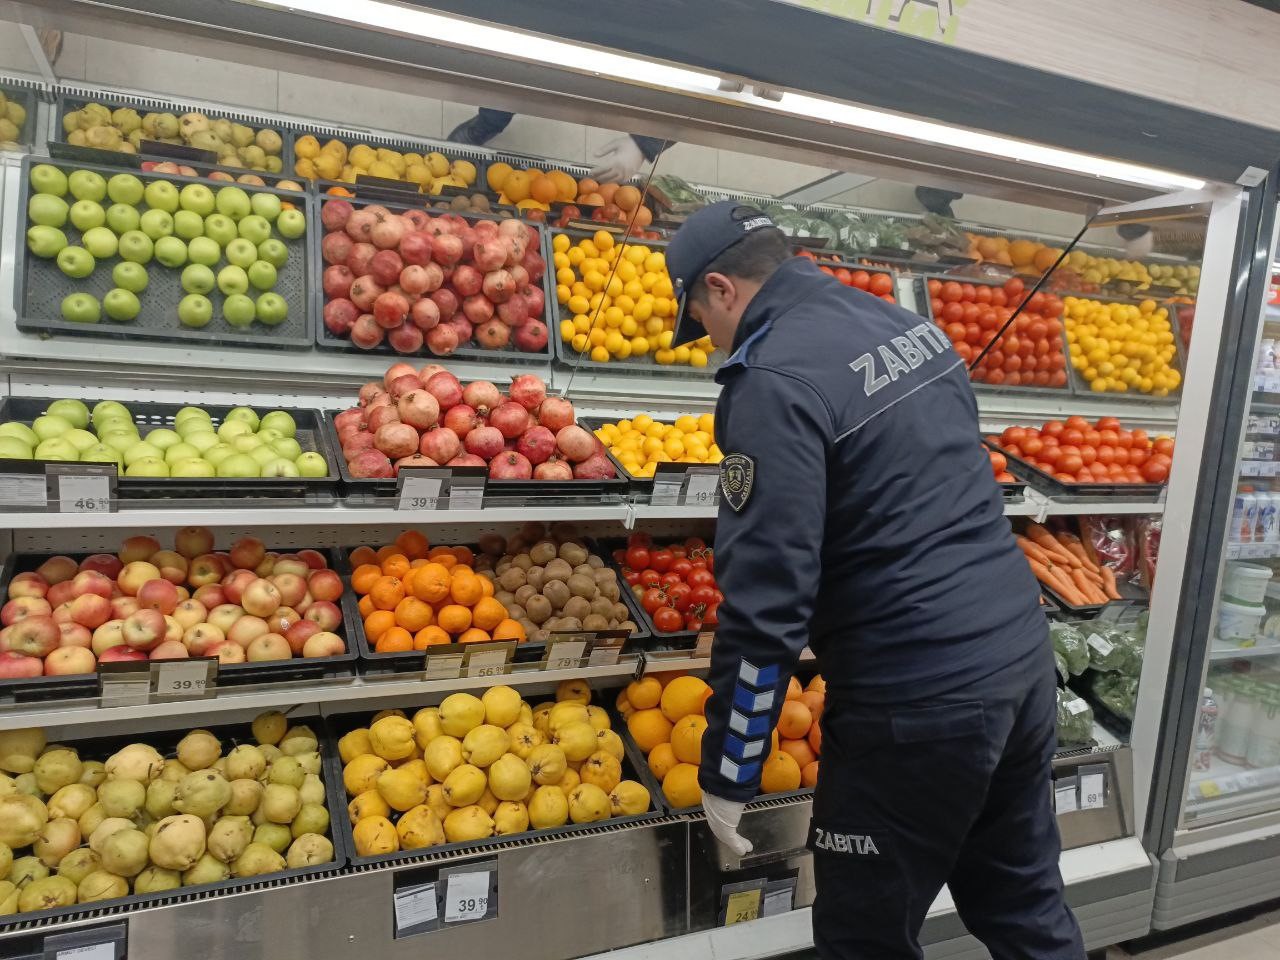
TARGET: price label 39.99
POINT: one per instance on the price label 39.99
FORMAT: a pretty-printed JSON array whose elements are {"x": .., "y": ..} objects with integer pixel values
[{"x": 470, "y": 893}]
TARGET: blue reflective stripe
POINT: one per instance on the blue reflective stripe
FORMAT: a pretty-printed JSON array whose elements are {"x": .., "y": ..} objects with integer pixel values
[
  {"x": 751, "y": 701},
  {"x": 759, "y": 678},
  {"x": 744, "y": 773},
  {"x": 749, "y": 726},
  {"x": 742, "y": 749}
]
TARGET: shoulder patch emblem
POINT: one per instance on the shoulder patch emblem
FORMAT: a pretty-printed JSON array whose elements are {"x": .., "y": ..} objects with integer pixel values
[{"x": 737, "y": 476}]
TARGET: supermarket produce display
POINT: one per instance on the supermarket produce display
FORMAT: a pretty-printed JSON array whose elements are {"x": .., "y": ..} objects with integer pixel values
[
  {"x": 1075, "y": 453},
  {"x": 15, "y": 105},
  {"x": 1117, "y": 347},
  {"x": 675, "y": 583}
]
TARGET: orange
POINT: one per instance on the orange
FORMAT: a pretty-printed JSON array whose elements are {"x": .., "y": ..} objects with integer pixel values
[
  {"x": 431, "y": 636},
  {"x": 413, "y": 614},
  {"x": 644, "y": 693},
  {"x": 516, "y": 186},
  {"x": 661, "y": 760},
  {"x": 809, "y": 775},
  {"x": 799, "y": 749},
  {"x": 378, "y": 623},
  {"x": 488, "y": 612},
  {"x": 364, "y": 577},
  {"x": 627, "y": 197},
  {"x": 686, "y": 739},
  {"x": 684, "y": 696},
  {"x": 508, "y": 629},
  {"x": 623, "y": 705},
  {"x": 780, "y": 773},
  {"x": 817, "y": 684},
  {"x": 464, "y": 555},
  {"x": 453, "y": 618},
  {"x": 587, "y": 185},
  {"x": 396, "y": 565},
  {"x": 361, "y": 555},
  {"x": 666, "y": 676},
  {"x": 648, "y": 728},
  {"x": 1023, "y": 252},
  {"x": 443, "y": 556},
  {"x": 366, "y": 606},
  {"x": 387, "y": 592},
  {"x": 794, "y": 689},
  {"x": 680, "y": 786},
  {"x": 497, "y": 175},
  {"x": 566, "y": 186},
  {"x": 413, "y": 543},
  {"x": 815, "y": 738},
  {"x": 474, "y": 635},
  {"x": 643, "y": 216},
  {"x": 407, "y": 579},
  {"x": 607, "y": 190},
  {"x": 420, "y": 562},
  {"x": 395, "y": 640},
  {"x": 594, "y": 199},
  {"x": 795, "y": 720},
  {"x": 390, "y": 550},
  {"x": 815, "y": 702},
  {"x": 1045, "y": 258},
  {"x": 339, "y": 192},
  {"x": 465, "y": 589},
  {"x": 431, "y": 583},
  {"x": 543, "y": 189},
  {"x": 487, "y": 588}
]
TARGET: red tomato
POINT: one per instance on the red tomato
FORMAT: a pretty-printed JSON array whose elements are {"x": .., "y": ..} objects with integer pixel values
[
  {"x": 935, "y": 288},
  {"x": 1156, "y": 470},
  {"x": 1013, "y": 288},
  {"x": 711, "y": 618},
  {"x": 1032, "y": 446},
  {"x": 1106, "y": 454},
  {"x": 1163, "y": 446},
  {"x": 637, "y": 557},
  {"x": 631, "y": 576},
  {"x": 861, "y": 279},
  {"x": 964, "y": 350},
  {"x": 953, "y": 313},
  {"x": 661, "y": 560},
  {"x": 1092, "y": 437},
  {"x": 1089, "y": 455},
  {"x": 1070, "y": 463},
  {"x": 982, "y": 295},
  {"x": 1036, "y": 302},
  {"x": 995, "y": 378},
  {"x": 650, "y": 578},
  {"x": 1108, "y": 423},
  {"x": 973, "y": 334},
  {"x": 1072, "y": 436},
  {"x": 951, "y": 292},
  {"x": 653, "y": 599},
  {"x": 703, "y": 596},
  {"x": 701, "y": 577},
  {"x": 678, "y": 551},
  {"x": 670, "y": 579},
  {"x": 1037, "y": 330},
  {"x": 972, "y": 312},
  {"x": 1053, "y": 428},
  {"x": 682, "y": 567},
  {"x": 1141, "y": 440},
  {"x": 881, "y": 283},
  {"x": 1124, "y": 439},
  {"x": 1013, "y": 435},
  {"x": 667, "y": 620},
  {"x": 936, "y": 307},
  {"x": 828, "y": 271},
  {"x": 988, "y": 320},
  {"x": 845, "y": 277},
  {"x": 1059, "y": 376},
  {"x": 1077, "y": 423},
  {"x": 680, "y": 596},
  {"x": 968, "y": 292},
  {"x": 955, "y": 332},
  {"x": 999, "y": 462},
  {"x": 999, "y": 298}
]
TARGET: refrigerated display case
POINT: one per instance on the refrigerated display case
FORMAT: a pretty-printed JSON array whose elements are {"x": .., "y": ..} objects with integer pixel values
[{"x": 669, "y": 882}]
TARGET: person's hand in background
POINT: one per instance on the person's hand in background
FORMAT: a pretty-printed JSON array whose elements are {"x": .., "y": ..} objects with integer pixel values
[
  {"x": 618, "y": 160},
  {"x": 723, "y": 817}
]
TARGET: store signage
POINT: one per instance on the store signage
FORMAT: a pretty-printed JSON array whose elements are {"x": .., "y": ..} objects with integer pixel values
[
  {"x": 137, "y": 682},
  {"x": 1066, "y": 794},
  {"x": 488, "y": 659},
  {"x": 606, "y": 647},
  {"x": 99, "y": 943},
  {"x": 470, "y": 892},
  {"x": 421, "y": 488},
  {"x": 443, "y": 666},
  {"x": 741, "y": 902},
  {"x": 928, "y": 19},
  {"x": 81, "y": 487},
  {"x": 125, "y": 684},
  {"x": 680, "y": 483},
  {"x": 565, "y": 651},
  {"x": 1093, "y": 787},
  {"x": 416, "y": 910}
]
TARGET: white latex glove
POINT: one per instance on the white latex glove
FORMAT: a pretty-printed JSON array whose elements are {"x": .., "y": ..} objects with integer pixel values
[
  {"x": 617, "y": 160},
  {"x": 723, "y": 816}
]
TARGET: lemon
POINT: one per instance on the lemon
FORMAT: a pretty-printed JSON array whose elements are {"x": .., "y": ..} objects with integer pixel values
[
  {"x": 560, "y": 243},
  {"x": 599, "y": 354},
  {"x": 629, "y": 327},
  {"x": 579, "y": 343},
  {"x": 567, "y": 330},
  {"x": 565, "y": 276},
  {"x": 576, "y": 256},
  {"x": 697, "y": 357},
  {"x": 641, "y": 423},
  {"x": 683, "y": 353},
  {"x": 613, "y": 341},
  {"x": 581, "y": 323},
  {"x": 602, "y": 239},
  {"x": 594, "y": 280},
  {"x": 638, "y": 346},
  {"x": 624, "y": 351},
  {"x": 596, "y": 336},
  {"x": 687, "y": 423},
  {"x": 562, "y": 293}
]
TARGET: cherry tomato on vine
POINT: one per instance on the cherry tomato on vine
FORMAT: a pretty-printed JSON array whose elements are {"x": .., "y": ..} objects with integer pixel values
[
  {"x": 667, "y": 620},
  {"x": 661, "y": 560}
]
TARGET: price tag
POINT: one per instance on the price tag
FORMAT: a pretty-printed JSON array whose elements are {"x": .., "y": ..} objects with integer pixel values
[
  {"x": 666, "y": 491},
  {"x": 779, "y": 897},
  {"x": 466, "y": 491},
  {"x": 703, "y": 647},
  {"x": 99, "y": 943},
  {"x": 1065, "y": 796},
  {"x": 565, "y": 653},
  {"x": 193, "y": 679},
  {"x": 1101, "y": 644},
  {"x": 124, "y": 684},
  {"x": 81, "y": 487},
  {"x": 471, "y": 893},
  {"x": 742, "y": 906},
  {"x": 487, "y": 659},
  {"x": 1093, "y": 790},
  {"x": 93, "y": 951},
  {"x": 1076, "y": 707},
  {"x": 607, "y": 647},
  {"x": 420, "y": 492},
  {"x": 443, "y": 666},
  {"x": 23, "y": 490},
  {"x": 702, "y": 488},
  {"x": 415, "y": 909}
]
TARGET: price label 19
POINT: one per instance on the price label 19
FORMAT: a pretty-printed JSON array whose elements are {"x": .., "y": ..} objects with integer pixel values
[{"x": 702, "y": 489}]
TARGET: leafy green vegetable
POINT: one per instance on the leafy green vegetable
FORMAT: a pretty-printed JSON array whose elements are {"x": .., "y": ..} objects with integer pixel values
[
  {"x": 1074, "y": 719},
  {"x": 1070, "y": 642}
]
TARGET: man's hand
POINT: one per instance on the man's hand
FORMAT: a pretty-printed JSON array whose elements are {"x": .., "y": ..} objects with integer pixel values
[
  {"x": 723, "y": 816},
  {"x": 618, "y": 160}
]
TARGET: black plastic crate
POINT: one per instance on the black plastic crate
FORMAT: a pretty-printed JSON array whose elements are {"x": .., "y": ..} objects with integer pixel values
[
  {"x": 312, "y": 436},
  {"x": 41, "y": 286},
  {"x": 686, "y": 640},
  {"x": 294, "y": 131},
  {"x": 27, "y": 97},
  {"x": 639, "y": 484},
  {"x": 1179, "y": 363},
  {"x": 1129, "y": 593},
  {"x": 1061, "y": 490},
  {"x": 166, "y": 741},
  {"x": 508, "y": 355}
]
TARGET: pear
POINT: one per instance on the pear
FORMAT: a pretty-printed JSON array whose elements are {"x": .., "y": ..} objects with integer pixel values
[
  {"x": 189, "y": 124},
  {"x": 257, "y": 859},
  {"x": 126, "y": 119}
]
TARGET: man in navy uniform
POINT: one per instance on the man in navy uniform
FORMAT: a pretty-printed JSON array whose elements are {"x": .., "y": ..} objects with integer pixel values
[{"x": 859, "y": 515}]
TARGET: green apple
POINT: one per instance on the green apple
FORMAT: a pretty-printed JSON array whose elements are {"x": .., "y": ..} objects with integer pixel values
[
  {"x": 180, "y": 451},
  {"x": 291, "y": 224},
  {"x": 141, "y": 449},
  {"x": 121, "y": 305},
  {"x": 274, "y": 252},
  {"x": 116, "y": 424},
  {"x": 197, "y": 198},
  {"x": 262, "y": 275},
  {"x": 239, "y": 465},
  {"x": 267, "y": 434},
  {"x": 129, "y": 276},
  {"x": 122, "y": 218},
  {"x": 81, "y": 439},
  {"x": 171, "y": 252},
  {"x": 242, "y": 253},
  {"x": 191, "y": 426},
  {"x": 46, "y": 178},
  {"x": 76, "y": 262},
  {"x": 191, "y": 413},
  {"x": 287, "y": 447},
  {"x": 312, "y": 465},
  {"x": 280, "y": 467},
  {"x": 197, "y": 278},
  {"x": 263, "y": 454},
  {"x": 19, "y": 431},
  {"x": 56, "y": 448},
  {"x": 233, "y": 202},
  {"x": 12, "y": 448},
  {"x": 279, "y": 420},
  {"x": 232, "y": 280},
  {"x": 271, "y": 309},
  {"x": 238, "y": 310},
  {"x": 119, "y": 440},
  {"x": 195, "y": 310},
  {"x": 161, "y": 195},
  {"x": 247, "y": 443},
  {"x": 87, "y": 185},
  {"x": 220, "y": 229},
  {"x": 46, "y": 242},
  {"x": 71, "y": 410},
  {"x": 156, "y": 224},
  {"x": 219, "y": 452},
  {"x": 86, "y": 214},
  {"x": 136, "y": 247},
  {"x": 109, "y": 408},
  {"x": 125, "y": 188},
  {"x": 163, "y": 438},
  {"x": 100, "y": 242},
  {"x": 202, "y": 440},
  {"x": 81, "y": 308},
  {"x": 254, "y": 228},
  {"x": 244, "y": 414},
  {"x": 192, "y": 467},
  {"x": 204, "y": 251},
  {"x": 266, "y": 205},
  {"x": 147, "y": 467},
  {"x": 46, "y": 210},
  {"x": 101, "y": 453},
  {"x": 48, "y": 426},
  {"x": 188, "y": 225}
]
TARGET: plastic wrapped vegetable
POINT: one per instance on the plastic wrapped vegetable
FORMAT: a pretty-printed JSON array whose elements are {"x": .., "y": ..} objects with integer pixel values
[
  {"x": 1117, "y": 693},
  {"x": 1070, "y": 642},
  {"x": 1112, "y": 650},
  {"x": 1075, "y": 719},
  {"x": 1060, "y": 662}
]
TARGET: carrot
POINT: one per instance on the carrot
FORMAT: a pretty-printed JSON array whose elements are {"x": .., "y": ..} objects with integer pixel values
[
  {"x": 1045, "y": 541},
  {"x": 1052, "y": 578},
  {"x": 1109, "y": 583},
  {"x": 1077, "y": 550},
  {"x": 1032, "y": 551},
  {"x": 1088, "y": 589}
]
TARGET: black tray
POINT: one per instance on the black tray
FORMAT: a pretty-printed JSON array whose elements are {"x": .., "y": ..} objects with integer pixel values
[
  {"x": 366, "y": 490},
  {"x": 229, "y": 675},
  {"x": 1082, "y": 388},
  {"x": 1060, "y": 490},
  {"x": 294, "y": 131},
  {"x": 28, "y": 97},
  {"x": 342, "y": 723},
  {"x": 639, "y": 484},
  {"x": 509, "y": 355},
  {"x": 312, "y": 435},
  {"x": 166, "y": 741},
  {"x": 676, "y": 640},
  {"x": 41, "y": 286},
  {"x": 1128, "y": 592},
  {"x": 565, "y": 354}
]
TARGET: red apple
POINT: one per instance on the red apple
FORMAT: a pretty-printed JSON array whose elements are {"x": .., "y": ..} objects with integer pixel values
[
  {"x": 325, "y": 613},
  {"x": 314, "y": 559},
  {"x": 235, "y": 584},
  {"x": 74, "y": 635},
  {"x": 283, "y": 619},
  {"x": 90, "y": 610},
  {"x": 159, "y": 595},
  {"x": 246, "y": 629},
  {"x": 261, "y": 598},
  {"x": 325, "y": 585},
  {"x": 267, "y": 566},
  {"x": 299, "y": 633},
  {"x": 201, "y": 637},
  {"x": 121, "y": 654},
  {"x": 173, "y": 565},
  {"x": 14, "y": 666},
  {"x": 23, "y": 607},
  {"x": 189, "y": 613},
  {"x": 193, "y": 541},
  {"x": 60, "y": 593},
  {"x": 323, "y": 644},
  {"x": 225, "y": 616},
  {"x": 57, "y": 569},
  {"x": 91, "y": 581},
  {"x": 107, "y": 636},
  {"x": 34, "y": 636},
  {"x": 248, "y": 553},
  {"x": 68, "y": 660},
  {"x": 62, "y": 613},
  {"x": 226, "y": 652},
  {"x": 135, "y": 574},
  {"x": 210, "y": 595},
  {"x": 290, "y": 587},
  {"x": 205, "y": 569},
  {"x": 269, "y": 646},
  {"x": 121, "y": 607},
  {"x": 144, "y": 628},
  {"x": 170, "y": 650},
  {"x": 138, "y": 548},
  {"x": 107, "y": 564},
  {"x": 27, "y": 585},
  {"x": 291, "y": 563},
  {"x": 173, "y": 630}
]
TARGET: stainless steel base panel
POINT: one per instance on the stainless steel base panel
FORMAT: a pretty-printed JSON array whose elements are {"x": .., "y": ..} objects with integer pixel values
[{"x": 1212, "y": 878}]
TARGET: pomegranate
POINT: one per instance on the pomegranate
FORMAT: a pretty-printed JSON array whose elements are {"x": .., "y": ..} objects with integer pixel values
[
  {"x": 462, "y": 419},
  {"x": 462, "y": 327},
  {"x": 493, "y": 335},
  {"x": 444, "y": 386},
  {"x": 515, "y": 312},
  {"x": 510, "y": 465},
  {"x": 364, "y": 291},
  {"x": 405, "y": 383},
  {"x": 429, "y": 370},
  {"x": 390, "y": 310},
  {"x": 477, "y": 309},
  {"x": 405, "y": 339},
  {"x": 466, "y": 280},
  {"x": 575, "y": 443},
  {"x": 446, "y": 302},
  {"x": 484, "y": 442},
  {"x": 357, "y": 443},
  {"x": 534, "y": 264},
  {"x": 419, "y": 218},
  {"x": 536, "y": 444},
  {"x": 424, "y": 314},
  {"x": 482, "y": 395},
  {"x": 532, "y": 337},
  {"x": 360, "y": 257},
  {"x": 416, "y": 460},
  {"x": 435, "y": 276},
  {"x": 442, "y": 340},
  {"x": 535, "y": 298},
  {"x": 387, "y": 231},
  {"x": 498, "y": 286},
  {"x": 336, "y": 247},
  {"x": 396, "y": 371},
  {"x": 556, "y": 413},
  {"x": 370, "y": 463},
  {"x": 365, "y": 332},
  {"x": 352, "y": 416},
  {"x": 415, "y": 248},
  {"x": 340, "y": 316},
  {"x": 466, "y": 460},
  {"x": 488, "y": 254},
  {"x": 381, "y": 416},
  {"x": 440, "y": 444},
  {"x": 385, "y": 267},
  {"x": 396, "y": 439},
  {"x": 446, "y": 250},
  {"x": 595, "y": 467},
  {"x": 359, "y": 225},
  {"x": 553, "y": 469},
  {"x": 511, "y": 419},
  {"x": 519, "y": 276},
  {"x": 335, "y": 213},
  {"x": 528, "y": 390},
  {"x": 337, "y": 280},
  {"x": 414, "y": 280},
  {"x": 369, "y": 392},
  {"x": 419, "y": 409}
]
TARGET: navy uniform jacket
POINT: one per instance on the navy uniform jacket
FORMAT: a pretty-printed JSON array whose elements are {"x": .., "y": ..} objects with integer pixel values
[{"x": 859, "y": 514}]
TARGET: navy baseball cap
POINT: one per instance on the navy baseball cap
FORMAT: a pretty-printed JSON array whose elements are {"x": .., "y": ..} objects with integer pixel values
[{"x": 707, "y": 233}]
